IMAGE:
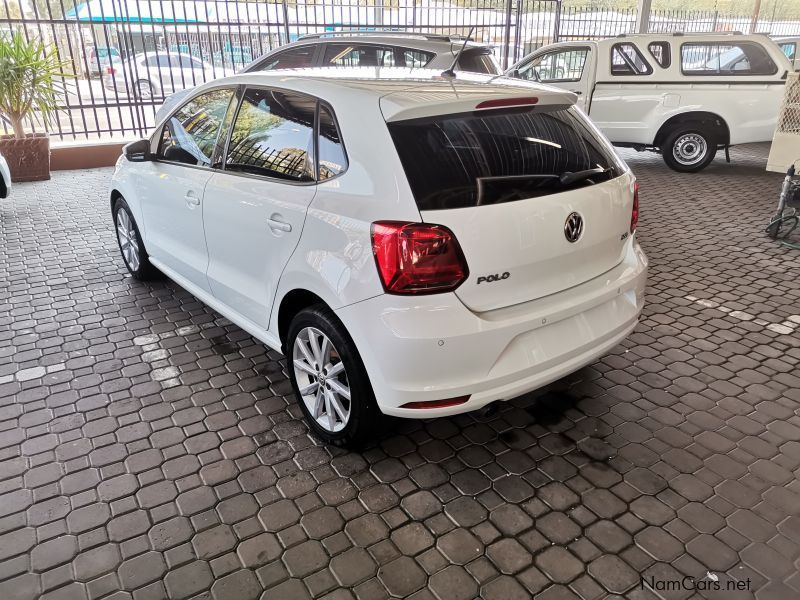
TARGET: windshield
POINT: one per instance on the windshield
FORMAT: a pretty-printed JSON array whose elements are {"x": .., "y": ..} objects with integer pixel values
[{"x": 489, "y": 157}]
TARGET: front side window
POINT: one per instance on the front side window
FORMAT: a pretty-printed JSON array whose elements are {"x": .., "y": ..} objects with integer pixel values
[
  {"x": 190, "y": 135},
  {"x": 273, "y": 135},
  {"x": 332, "y": 159},
  {"x": 627, "y": 60},
  {"x": 352, "y": 55},
  {"x": 161, "y": 61},
  {"x": 660, "y": 52},
  {"x": 789, "y": 49},
  {"x": 480, "y": 158},
  {"x": 562, "y": 65},
  {"x": 301, "y": 57},
  {"x": 726, "y": 58}
]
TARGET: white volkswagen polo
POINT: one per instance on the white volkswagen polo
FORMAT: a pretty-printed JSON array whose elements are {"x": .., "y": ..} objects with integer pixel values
[{"x": 415, "y": 244}]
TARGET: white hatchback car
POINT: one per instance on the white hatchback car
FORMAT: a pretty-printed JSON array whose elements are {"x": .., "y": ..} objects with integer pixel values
[{"x": 415, "y": 246}]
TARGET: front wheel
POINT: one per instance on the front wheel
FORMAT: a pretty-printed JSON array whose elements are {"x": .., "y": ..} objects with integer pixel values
[
  {"x": 130, "y": 242},
  {"x": 329, "y": 378},
  {"x": 689, "y": 148}
]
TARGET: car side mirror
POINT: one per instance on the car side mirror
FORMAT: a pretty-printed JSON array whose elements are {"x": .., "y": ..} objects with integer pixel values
[{"x": 138, "y": 151}]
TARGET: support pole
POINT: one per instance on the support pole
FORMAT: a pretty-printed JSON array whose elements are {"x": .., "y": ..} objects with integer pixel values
[
  {"x": 643, "y": 16},
  {"x": 756, "y": 12}
]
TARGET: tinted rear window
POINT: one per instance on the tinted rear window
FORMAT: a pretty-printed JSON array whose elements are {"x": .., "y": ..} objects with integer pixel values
[{"x": 473, "y": 159}]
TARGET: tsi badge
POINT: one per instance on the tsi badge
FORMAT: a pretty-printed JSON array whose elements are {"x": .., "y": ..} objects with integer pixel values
[{"x": 493, "y": 278}]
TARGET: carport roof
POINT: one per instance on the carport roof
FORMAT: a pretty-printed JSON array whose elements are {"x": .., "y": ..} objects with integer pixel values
[{"x": 119, "y": 11}]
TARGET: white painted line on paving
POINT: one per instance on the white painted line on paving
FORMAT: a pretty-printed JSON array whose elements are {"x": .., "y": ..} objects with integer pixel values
[{"x": 785, "y": 328}]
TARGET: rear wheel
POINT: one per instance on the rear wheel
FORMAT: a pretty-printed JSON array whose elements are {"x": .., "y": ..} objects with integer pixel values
[
  {"x": 689, "y": 148},
  {"x": 329, "y": 379}
]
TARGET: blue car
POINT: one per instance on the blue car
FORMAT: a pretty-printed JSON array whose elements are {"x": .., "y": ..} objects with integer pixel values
[{"x": 5, "y": 178}]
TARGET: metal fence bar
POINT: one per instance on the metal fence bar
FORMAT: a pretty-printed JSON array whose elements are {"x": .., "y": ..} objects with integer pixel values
[{"x": 110, "y": 44}]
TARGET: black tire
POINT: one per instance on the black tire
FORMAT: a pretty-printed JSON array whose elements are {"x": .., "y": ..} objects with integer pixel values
[
  {"x": 141, "y": 269},
  {"x": 682, "y": 142},
  {"x": 364, "y": 415}
]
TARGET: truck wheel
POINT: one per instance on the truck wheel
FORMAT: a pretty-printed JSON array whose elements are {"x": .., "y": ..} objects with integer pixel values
[{"x": 689, "y": 148}]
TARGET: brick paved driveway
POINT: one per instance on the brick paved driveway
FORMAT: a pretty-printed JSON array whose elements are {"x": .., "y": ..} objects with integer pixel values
[{"x": 148, "y": 448}]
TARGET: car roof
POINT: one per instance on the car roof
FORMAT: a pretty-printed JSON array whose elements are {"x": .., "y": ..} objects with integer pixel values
[
  {"x": 426, "y": 43},
  {"x": 403, "y": 92}
]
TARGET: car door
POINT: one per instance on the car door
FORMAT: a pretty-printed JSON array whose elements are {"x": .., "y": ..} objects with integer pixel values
[
  {"x": 255, "y": 204},
  {"x": 568, "y": 67},
  {"x": 172, "y": 187}
]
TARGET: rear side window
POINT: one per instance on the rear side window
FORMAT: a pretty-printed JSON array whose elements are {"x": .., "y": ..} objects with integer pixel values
[
  {"x": 416, "y": 58},
  {"x": 332, "y": 159},
  {"x": 297, "y": 58},
  {"x": 789, "y": 49},
  {"x": 627, "y": 60},
  {"x": 190, "y": 135},
  {"x": 352, "y": 55},
  {"x": 273, "y": 136},
  {"x": 472, "y": 159},
  {"x": 478, "y": 62},
  {"x": 661, "y": 53},
  {"x": 726, "y": 58}
]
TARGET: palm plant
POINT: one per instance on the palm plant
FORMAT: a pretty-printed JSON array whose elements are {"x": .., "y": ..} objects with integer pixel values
[{"x": 31, "y": 80}]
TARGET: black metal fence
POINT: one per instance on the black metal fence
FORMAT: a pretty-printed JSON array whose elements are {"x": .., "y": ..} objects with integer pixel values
[{"x": 181, "y": 43}]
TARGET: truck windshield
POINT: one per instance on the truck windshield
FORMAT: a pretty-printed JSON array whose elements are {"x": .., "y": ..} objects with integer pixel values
[{"x": 488, "y": 157}]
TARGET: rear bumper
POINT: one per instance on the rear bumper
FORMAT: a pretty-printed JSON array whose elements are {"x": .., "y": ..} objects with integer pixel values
[{"x": 417, "y": 349}]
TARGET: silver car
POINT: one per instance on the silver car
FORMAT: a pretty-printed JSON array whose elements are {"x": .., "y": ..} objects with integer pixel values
[
  {"x": 5, "y": 178},
  {"x": 154, "y": 75},
  {"x": 369, "y": 49}
]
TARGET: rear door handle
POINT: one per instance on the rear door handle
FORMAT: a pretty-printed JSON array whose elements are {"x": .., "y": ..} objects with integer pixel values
[
  {"x": 277, "y": 225},
  {"x": 191, "y": 199}
]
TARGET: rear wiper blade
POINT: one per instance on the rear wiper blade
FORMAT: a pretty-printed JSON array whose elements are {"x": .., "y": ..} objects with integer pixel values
[{"x": 570, "y": 177}]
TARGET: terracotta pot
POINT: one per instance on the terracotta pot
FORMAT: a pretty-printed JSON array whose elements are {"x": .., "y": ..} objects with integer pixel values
[{"x": 29, "y": 158}]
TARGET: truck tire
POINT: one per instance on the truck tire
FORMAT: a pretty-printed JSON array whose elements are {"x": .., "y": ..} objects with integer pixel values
[{"x": 689, "y": 147}]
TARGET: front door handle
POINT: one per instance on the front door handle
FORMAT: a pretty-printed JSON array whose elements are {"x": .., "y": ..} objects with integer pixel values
[
  {"x": 577, "y": 92},
  {"x": 277, "y": 225},
  {"x": 191, "y": 200}
]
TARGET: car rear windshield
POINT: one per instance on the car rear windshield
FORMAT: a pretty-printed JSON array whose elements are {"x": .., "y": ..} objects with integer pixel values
[{"x": 488, "y": 157}]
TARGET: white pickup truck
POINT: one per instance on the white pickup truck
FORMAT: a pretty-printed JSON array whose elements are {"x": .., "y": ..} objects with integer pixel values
[{"x": 686, "y": 96}]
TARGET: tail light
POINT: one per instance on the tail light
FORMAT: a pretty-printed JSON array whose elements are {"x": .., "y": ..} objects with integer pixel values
[
  {"x": 417, "y": 258},
  {"x": 110, "y": 70},
  {"x": 635, "y": 210}
]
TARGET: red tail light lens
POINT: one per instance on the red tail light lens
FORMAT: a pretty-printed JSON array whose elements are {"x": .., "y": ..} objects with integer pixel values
[
  {"x": 417, "y": 258},
  {"x": 110, "y": 70},
  {"x": 635, "y": 211}
]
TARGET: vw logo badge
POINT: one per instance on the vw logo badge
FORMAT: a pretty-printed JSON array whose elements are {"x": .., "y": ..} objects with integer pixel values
[{"x": 573, "y": 227}]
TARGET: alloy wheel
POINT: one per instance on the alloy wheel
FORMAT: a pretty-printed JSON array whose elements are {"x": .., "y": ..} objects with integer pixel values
[
  {"x": 321, "y": 379},
  {"x": 128, "y": 240},
  {"x": 145, "y": 90}
]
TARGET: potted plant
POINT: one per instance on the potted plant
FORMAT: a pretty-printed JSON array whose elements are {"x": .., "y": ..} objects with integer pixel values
[{"x": 31, "y": 75}]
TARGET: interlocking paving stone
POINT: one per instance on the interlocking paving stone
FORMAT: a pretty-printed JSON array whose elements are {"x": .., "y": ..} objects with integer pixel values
[{"x": 150, "y": 449}]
